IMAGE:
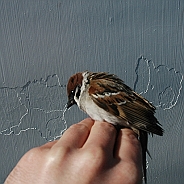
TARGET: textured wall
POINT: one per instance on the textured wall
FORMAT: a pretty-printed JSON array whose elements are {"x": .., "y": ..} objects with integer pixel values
[{"x": 42, "y": 43}]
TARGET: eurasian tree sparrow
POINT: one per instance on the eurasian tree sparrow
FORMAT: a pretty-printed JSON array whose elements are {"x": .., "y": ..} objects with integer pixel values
[{"x": 105, "y": 97}]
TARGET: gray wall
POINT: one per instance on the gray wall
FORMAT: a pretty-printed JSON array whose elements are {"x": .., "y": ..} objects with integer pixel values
[{"x": 42, "y": 43}]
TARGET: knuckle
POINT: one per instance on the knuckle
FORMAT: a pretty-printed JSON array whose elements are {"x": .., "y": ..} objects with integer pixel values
[
  {"x": 110, "y": 127},
  {"x": 129, "y": 135},
  {"x": 107, "y": 127},
  {"x": 96, "y": 156}
]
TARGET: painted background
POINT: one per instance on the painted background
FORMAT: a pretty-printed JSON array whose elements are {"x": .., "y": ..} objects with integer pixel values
[{"x": 44, "y": 42}]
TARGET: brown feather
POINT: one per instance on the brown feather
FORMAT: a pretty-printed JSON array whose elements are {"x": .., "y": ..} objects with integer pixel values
[{"x": 127, "y": 105}]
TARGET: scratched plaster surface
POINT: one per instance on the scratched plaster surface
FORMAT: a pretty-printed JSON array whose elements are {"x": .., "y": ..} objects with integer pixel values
[
  {"x": 166, "y": 91},
  {"x": 42, "y": 43},
  {"x": 37, "y": 101}
]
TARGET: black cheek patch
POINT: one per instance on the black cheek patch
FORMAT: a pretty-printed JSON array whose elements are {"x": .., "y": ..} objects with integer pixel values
[{"x": 78, "y": 92}]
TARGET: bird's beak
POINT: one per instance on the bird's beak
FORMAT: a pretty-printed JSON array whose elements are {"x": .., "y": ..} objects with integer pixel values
[{"x": 71, "y": 101}]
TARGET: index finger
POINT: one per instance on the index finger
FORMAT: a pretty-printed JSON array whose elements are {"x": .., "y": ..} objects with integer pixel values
[{"x": 76, "y": 135}]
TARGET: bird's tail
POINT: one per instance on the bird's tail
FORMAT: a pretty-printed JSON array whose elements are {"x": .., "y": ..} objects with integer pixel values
[{"x": 143, "y": 137}]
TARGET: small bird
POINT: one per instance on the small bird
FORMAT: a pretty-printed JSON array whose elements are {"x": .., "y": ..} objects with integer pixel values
[{"x": 105, "y": 97}]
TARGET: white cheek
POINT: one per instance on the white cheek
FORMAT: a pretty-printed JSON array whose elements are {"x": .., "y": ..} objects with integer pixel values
[{"x": 76, "y": 100}]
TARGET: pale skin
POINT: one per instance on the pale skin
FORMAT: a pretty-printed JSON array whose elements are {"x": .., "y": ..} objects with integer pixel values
[{"x": 89, "y": 152}]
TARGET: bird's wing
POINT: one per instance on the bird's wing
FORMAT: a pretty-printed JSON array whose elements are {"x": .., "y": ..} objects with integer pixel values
[{"x": 111, "y": 94}]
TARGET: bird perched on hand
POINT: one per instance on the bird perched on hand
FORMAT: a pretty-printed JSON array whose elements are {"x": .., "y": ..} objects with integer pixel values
[{"x": 105, "y": 97}]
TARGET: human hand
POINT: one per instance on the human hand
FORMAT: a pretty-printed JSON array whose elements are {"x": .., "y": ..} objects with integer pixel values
[{"x": 87, "y": 153}]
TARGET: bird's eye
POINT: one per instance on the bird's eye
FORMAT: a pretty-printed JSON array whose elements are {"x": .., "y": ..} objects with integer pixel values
[{"x": 72, "y": 91}]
